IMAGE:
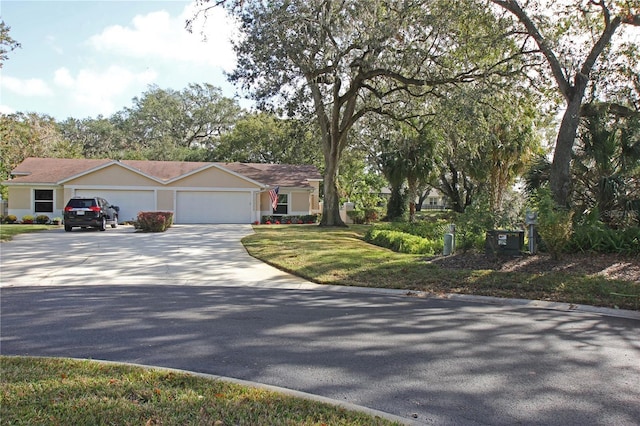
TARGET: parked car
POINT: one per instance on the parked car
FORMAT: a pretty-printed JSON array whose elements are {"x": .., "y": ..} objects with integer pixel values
[{"x": 88, "y": 212}]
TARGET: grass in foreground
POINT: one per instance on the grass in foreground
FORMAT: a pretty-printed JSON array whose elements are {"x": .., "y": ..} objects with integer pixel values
[
  {"x": 57, "y": 391},
  {"x": 7, "y": 232},
  {"x": 339, "y": 256}
]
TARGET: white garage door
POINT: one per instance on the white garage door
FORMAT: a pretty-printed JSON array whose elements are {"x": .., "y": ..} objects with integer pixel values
[
  {"x": 130, "y": 202},
  {"x": 213, "y": 207}
]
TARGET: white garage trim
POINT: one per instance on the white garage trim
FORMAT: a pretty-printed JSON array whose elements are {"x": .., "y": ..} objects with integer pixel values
[
  {"x": 219, "y": 206},
  {"x": 130, "y": 201}
]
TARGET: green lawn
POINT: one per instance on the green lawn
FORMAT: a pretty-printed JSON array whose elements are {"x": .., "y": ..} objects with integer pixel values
[
  {"x": 339, "y": 256},
  {"x": 8, "y": 231},
  {"x": 50, "y": 391}
]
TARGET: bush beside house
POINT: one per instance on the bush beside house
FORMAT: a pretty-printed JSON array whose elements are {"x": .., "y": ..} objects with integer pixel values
[
  {"x": 289, "y": 220},
  {"x": 154, "y": 221}
]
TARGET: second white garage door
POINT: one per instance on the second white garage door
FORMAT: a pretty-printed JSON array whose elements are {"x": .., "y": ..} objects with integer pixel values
[
  {"x": 213, "y": 207},
  {"x": 130, "y": 202}
]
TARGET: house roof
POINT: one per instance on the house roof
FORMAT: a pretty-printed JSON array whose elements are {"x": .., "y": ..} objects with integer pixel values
[
  {"x": 287, "y": 175},
  {"x": 57, "y": 170}
]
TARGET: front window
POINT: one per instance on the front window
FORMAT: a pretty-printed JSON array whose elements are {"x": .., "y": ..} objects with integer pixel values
[
  {"x": 282, "y": 204},
  {"x": 43, "y": 200}
]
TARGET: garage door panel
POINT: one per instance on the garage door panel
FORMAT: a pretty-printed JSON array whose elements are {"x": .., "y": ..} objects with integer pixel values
[
  {"x": 130, "y": 202},
  {"x": 213, "y": 207}
]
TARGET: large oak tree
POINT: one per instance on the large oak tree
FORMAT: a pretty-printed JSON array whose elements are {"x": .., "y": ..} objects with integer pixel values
[
  {"x": 571, "y": 43},
  {"x": 29, "y": 135},
  {"x": 343, "y": 59}
]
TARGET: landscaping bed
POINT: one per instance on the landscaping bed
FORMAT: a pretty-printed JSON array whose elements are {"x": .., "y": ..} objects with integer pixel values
[
  {"x": 340, "y": 256},
  {"x": 608, "y": 266}
]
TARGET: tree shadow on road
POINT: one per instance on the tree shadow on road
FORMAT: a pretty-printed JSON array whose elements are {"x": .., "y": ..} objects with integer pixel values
[{"x": 445, "y": 361}]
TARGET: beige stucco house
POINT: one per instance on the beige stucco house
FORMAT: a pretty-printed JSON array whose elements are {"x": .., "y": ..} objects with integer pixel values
[{"x": 196, "y": 192}]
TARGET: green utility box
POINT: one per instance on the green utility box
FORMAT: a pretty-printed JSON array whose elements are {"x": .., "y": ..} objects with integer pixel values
[{"x": 504, "y": 243}]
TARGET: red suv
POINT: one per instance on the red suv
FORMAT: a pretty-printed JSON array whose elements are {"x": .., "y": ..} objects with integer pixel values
[{"x": 94, "y": 212}]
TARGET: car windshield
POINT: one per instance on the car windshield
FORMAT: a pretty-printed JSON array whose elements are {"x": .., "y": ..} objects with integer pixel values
[{"x": 81, "y": 204}]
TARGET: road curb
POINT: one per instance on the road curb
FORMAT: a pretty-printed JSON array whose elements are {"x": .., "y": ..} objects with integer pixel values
[
  {"x": 534, "y": 304},
  {"x": 556, "y": 306}
]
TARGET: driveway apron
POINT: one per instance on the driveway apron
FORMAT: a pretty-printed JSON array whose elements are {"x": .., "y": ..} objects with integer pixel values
[{"x": 184, "y": 254}]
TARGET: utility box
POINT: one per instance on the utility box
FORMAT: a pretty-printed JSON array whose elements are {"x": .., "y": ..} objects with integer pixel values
[
  {"x": 504, "y": 243},
  {"x": 448, "y": 244}
]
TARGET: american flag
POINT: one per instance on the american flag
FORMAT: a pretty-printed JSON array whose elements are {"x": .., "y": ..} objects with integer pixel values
[{"x": 273, "y": 194}]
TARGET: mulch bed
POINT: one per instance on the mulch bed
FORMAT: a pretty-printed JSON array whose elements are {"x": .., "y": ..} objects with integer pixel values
[{"x": 611, "y": 266}]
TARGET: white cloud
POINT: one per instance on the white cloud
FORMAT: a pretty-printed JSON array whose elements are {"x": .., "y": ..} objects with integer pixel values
[
  {"x": 159, "y": 35},
  {"x": 6, "y": 110},
  {"x": 63, "y": 78},
  {"x": 100, "y": 91},
  {"x": 27, "y": 87}
]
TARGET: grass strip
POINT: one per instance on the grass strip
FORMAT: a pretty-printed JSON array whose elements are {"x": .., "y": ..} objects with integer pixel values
[
  {"x": 340, "y": 256},
  {"x": 55, "y": 391},
  {"x": 8, "y": 231}
]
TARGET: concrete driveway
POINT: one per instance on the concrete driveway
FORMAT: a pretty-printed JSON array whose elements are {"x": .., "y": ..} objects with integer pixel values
[{"x": 184, "y": 254}]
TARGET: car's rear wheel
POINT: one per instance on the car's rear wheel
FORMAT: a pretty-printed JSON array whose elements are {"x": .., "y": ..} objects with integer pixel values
[
  {"x": 67, "y": 228},
  {"x": 103, "y": 224}
]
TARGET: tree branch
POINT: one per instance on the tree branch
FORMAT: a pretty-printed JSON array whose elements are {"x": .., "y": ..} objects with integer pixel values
[{"x": 556, "y": 69}]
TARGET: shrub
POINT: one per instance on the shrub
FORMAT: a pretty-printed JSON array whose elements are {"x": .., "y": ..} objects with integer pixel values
[
  {"x": 27, "y": 219},
  {"x": 472, "y": 225},
  {"x": 554, "y": 223},
  {"x": 56, "y": 220},
  {"x": 269, "y": 219},
  {"x": 11, "y": 218},
  {"x": 367, "y": 215},
  {"x": 370, "y": 215},
  {"x": 154, "y": 221},
  {"x": 357, "y": 216},
  {"x": 598, "y": 237},
  {"x": 403, "y": 242},
  {"x": 42, "y": 219},
  {"x": 431, "y": 230}
]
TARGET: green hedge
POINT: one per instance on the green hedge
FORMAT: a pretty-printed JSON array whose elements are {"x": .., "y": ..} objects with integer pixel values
[
  {"x": 403, "y": 242},
  {"x": 433, "y": 230},
  {"x": 289, "y": 220}
]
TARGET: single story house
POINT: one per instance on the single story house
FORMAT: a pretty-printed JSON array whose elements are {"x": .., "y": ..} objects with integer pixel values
[
  {"x": 196, "y": 192},
  {"x": 435, "y": 200}
]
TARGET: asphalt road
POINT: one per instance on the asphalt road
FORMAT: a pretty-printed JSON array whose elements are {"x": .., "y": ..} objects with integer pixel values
[{"x": 429, "y": 360}]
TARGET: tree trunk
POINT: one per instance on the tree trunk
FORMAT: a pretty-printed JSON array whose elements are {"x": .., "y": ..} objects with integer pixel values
[
  {"x": 396, "y": 206},
  {"x": 560, "y": 173},
  {"x": 412, "y": 184},
  {"x": 331, "y": 202},
  {"x": 422, "y": 196}
]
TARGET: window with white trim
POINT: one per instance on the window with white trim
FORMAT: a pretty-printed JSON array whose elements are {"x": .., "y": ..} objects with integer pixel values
[
  {"x": 283, "y": 202},
  {"x": 43, "y": 200}
]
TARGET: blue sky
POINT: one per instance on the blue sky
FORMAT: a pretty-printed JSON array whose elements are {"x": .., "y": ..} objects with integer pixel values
[{"x": 84, "y": 58}]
